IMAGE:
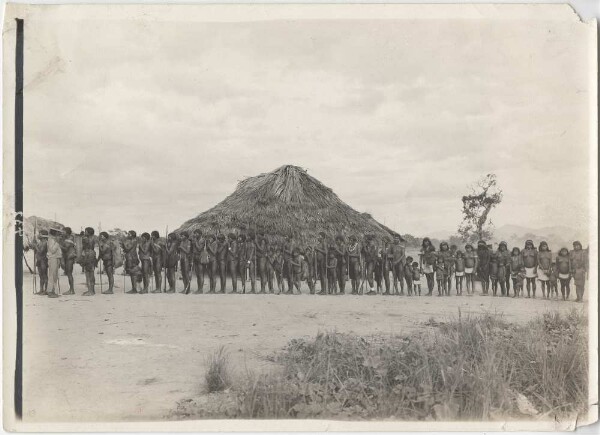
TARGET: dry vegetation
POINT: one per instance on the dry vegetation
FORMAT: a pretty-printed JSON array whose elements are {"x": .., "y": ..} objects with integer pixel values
[{"x": 473, "y": 368}]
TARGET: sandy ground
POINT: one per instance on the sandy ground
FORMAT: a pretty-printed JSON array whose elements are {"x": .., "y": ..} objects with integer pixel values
[{"x": 132, "y": 357}]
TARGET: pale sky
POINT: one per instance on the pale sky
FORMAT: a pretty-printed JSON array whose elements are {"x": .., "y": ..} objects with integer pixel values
[{"x": 140, "y": 123}]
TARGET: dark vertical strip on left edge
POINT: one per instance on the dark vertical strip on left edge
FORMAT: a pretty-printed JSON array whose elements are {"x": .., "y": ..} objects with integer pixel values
[{"x": 19, "y": 216}]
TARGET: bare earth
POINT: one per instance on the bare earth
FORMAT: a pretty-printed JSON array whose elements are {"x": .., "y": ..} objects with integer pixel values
[{"x": 132, "y": 357}]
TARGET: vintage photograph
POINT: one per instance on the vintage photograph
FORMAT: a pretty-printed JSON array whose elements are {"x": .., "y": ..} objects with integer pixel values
[{"x": 288, "y": 213}]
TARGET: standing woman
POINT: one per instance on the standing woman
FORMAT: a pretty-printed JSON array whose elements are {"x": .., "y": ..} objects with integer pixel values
[
  {"x": 483, "y": 266},
  {"x": 145, "y": 254},
  {"x": 470, "y": 267},
  {"x": 516, "y": 271},
  {"x": 69, "y": 255},
  {"x": 563, "y": 266},
  {"x": 132, "y": 260},
  {"x": 543, "y": 271},
  {"x": 172, "y": 261},
  {"x": 579, "y": 268},
  {"x": 530, "y": 261},
  {"x": 429, "y": 261}
]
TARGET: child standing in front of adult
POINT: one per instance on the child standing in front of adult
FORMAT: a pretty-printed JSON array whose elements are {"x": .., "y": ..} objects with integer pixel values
[
  {"x": 440, "y": 276},
  {"x": 470, "y": 267},
  {"x": 407, "y": 272},
  {"x": 459, "y": 272},
  {"x": 416, "y": 278},
  {"x": 553, "y": 281},
  {"x": 563, "y": 267},
  {"x": 516, "y": 267}
]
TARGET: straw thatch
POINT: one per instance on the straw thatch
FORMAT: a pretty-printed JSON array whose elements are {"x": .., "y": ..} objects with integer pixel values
[{"x": 284, "y": 202}]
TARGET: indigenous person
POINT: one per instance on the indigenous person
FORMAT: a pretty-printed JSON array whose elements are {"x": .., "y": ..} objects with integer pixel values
[
  {"x": 440, "y": 276},
  {"x": 310, "y": 260},
  {"x": 563, "y": 267},
  {"x": 296, "y": 264},
  {"x": 354, "y": 270},
  {"x": 54, "y": 254},
  {"x": 428, "y": 259},
  {"x": 516, "y": 268},
  {"x": 232, "y": 260},
  {"x": 88, "y": 259},
  {"x": 332, "y": 270},
  {"x": 408, "y": 275},
  {"x": 321, "y": 255},
  {"x": 132, "y": 260},
  {"x": 470, "y": 267},
  {"x": 213, "y": 263},
  {"x": 483, "y": 266},
  {"x": 158, "y": 254},
  {"x": 579, "y": 268},
  {"x": 242, "y": 264},
  {"x": 459, "y": 273},
  {"x": 172, "y": 261},
  {"x": 262, "y": 246},
  {"x": 501, "y": 272},
  {"x": 199, "y": 258},
  {"x": 40, "y": 248},
  {"x": 543, "y": 270},
  {"x": 504, "y": 257},
  {"x": 448, "y": 258},
  {"x": 370, "y": 256},
  {"x": 276, "y": 258},
  {"x": 288, "y": 268},
  {"x": 493, "y": 270},
  {"x": 185, "y": 249},
  {"x": 340, "y": 252},
  {"x": 250, "y": 261},
  {"x": 530, "y": 262},
  {"x": 416, "y": 277},
  {"x": 69, "y": 255},
  {"x": 222, "y": 249},
  {"x": 397, "y": 254},
  {"x": 105, "y": 250},
  {"x": 553, "y": 281},
  {"x": 144, "y": 251}
]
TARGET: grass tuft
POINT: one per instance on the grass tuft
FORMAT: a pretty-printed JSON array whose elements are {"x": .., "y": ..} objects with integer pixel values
[{"x": 218, "y": 376}]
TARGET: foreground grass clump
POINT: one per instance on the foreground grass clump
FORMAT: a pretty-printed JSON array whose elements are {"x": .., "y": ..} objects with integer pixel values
[
  {"x": 472, "y": 368},
  {"x": 218, "y": 377}
]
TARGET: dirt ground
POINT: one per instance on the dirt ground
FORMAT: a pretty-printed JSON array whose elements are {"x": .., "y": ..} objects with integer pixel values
[{"x": 132, "y": 357}]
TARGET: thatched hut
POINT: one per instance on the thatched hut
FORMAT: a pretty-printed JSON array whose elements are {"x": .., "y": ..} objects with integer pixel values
[{"x": 286, "y": 201}]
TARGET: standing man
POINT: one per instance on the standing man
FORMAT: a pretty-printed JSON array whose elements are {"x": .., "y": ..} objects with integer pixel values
[
  {"x": 579, "y": 268},
  {"x": 89, "y": 261},
  {"x": 69, "y": 255},
  {"x": 250, "y": 261},
  {"x": 172, "y": 261},
  {"x": 54, "y": 255},
  {"x": 105, "y": 249},
  {"x": 530, "y": 261},
  {"x": 262, "y": 246},
  {"x": 397, "y": 255},
  {"x": 369, "y": 253},
  {"x": 212, "y": 247},
  {"x": 321, "y": 254},
  {"x": 232, "y": 260},
  {"x": 354, "y": 267},
  {"x": 288, "y": 254},
  {"x": 222, "y": 249},
  {"x": 40, "y": 248},
  {"x": 158, "y": 254},
  {"x": 145, "y": 254},
  {"x": 132, "y": 260},
  {"x": 340, "y": 252},
  {"x": 242, "y": 261},
  {"x": 310, "y": 259},
  {"x": 185, "y": 249},
  {"x": 504, "y": 259},
  {"x": 483, "y": 265},
  {"x": 200, "y": 259}
]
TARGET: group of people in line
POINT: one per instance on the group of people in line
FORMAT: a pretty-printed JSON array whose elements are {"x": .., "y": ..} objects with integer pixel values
[{"x": 255, "y": 258}]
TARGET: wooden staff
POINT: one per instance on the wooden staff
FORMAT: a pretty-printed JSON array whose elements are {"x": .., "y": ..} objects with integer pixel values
[{"x": 35, "y": 257}]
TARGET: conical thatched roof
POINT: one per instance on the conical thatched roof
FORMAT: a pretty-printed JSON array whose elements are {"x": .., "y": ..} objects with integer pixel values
[{"x": 286, "y": 201}]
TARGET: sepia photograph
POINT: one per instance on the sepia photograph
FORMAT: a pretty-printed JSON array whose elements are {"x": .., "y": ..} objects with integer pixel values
[{"x": 299, "y": 217}]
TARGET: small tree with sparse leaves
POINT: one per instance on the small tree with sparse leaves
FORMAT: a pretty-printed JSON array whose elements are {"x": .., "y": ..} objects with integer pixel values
[{"x": 485, "y": 195}]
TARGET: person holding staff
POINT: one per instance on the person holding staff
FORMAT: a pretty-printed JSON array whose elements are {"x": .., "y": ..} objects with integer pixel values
[
  {"x": 146, "y": 260},
  {"x": 105, "y": 249},
  {"x": 40, "y": 249},
  {"x": 157, "y": 252},
  {"x": 88, "y": 260},
  {"x": 69, "y": 256}
]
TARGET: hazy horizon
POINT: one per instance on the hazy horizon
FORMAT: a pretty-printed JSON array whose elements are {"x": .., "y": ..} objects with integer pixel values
[{"x": 157, "y": 121}]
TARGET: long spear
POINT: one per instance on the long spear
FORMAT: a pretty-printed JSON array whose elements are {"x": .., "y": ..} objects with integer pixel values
[{"x": 35, "y": 257}]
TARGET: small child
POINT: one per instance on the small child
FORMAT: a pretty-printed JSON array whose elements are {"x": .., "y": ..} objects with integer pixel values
[
  {"x": 516, "y": 266},
  {"x": 440, "y": 276},
  {"x": 416, "y": 277},
  {"x": 459, "y": 271},
  {"x": 407, "y": 269}
]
